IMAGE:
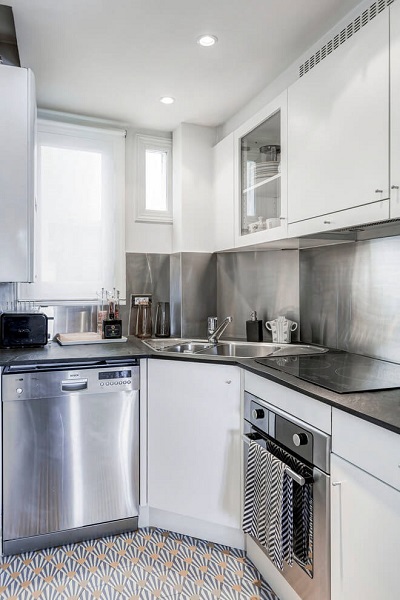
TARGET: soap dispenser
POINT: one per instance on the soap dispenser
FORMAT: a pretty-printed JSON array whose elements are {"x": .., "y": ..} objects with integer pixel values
[{"x": 254, "y": 331}]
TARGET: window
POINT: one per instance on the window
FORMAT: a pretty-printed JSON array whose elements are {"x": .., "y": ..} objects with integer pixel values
[
  {"x": 79, "y": 230},
  {"x": 153, "y": 179}
]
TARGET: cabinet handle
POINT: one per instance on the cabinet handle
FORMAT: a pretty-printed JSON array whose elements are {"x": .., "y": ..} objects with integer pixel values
[
  {"x": 378, "y": 191},
  {"x": 282, "y": 218},
  {"x": 327, "y": 222},
  {"x": 339, "y": 523},
  {"x": 228, "y": 381},
  {"x": 395, "y": 187}
]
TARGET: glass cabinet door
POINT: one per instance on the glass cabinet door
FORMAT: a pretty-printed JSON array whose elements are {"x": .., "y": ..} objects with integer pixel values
[{"x": 260, "y": 204}]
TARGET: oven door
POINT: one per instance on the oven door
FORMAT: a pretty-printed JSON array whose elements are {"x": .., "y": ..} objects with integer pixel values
[{"x": 309, "y": 575}]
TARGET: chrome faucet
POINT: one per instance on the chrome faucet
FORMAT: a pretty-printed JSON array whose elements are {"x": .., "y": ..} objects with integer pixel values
[{"x": 214, "y": 332}]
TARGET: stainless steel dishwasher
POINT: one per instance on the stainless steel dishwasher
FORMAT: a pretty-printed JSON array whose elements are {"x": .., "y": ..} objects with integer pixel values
[{"x": 70, "y": 452}]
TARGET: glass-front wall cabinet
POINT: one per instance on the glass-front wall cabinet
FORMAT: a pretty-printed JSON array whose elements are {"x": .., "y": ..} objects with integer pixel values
[{"x": 262, "y": 204}]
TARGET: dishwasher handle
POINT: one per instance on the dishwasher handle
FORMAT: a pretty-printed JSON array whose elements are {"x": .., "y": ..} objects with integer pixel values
[{"x": 73, "y": 386}]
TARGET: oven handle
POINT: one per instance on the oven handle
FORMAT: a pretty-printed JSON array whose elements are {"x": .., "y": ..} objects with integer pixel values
[{"x": 253, "y": 437}]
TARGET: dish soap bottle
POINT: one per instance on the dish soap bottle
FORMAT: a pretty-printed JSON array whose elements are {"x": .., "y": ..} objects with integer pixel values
[{"x": 254, "y": 331}]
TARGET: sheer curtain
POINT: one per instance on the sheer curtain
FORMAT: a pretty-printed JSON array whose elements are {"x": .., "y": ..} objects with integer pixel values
[{"x": 80, "y": 222}]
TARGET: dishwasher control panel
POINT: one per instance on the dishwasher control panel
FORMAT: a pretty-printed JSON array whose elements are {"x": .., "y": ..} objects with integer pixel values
[
  {"x": 121, "y": 378},
  {"x": 31, "y": 385}
]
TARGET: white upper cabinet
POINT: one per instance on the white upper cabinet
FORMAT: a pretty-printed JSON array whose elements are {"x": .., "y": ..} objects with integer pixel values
[
  {"x": 395, "y": 110},
  {"x": 224, "y": 193},
  {"x": 17, "y": 173},
  {"x": 260, "y": 152},
  {"x": 338, "y": 135}
]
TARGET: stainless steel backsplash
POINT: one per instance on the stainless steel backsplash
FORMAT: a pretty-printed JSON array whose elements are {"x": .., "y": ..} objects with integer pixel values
[
  {"x": 344, "y": 296},
  {"x": 187, "y": 280},
  {"x": 146, "y": 274},
  {"x": 265, "y": 281},
  {"x": 193, "y": 293},
  {"x": 350, "y": 297}
]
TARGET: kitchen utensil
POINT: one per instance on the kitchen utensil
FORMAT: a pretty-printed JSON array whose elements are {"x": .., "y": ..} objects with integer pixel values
[{"x": 281, "y": 329}]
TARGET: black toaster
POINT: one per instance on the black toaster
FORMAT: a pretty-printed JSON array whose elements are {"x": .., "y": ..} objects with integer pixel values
[{"x": 23, "y": 330}]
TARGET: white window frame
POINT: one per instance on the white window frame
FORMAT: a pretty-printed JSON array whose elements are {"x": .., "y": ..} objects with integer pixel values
[
  {"x": 143, "y": 143},
  {"x": 114, "y": 273}
]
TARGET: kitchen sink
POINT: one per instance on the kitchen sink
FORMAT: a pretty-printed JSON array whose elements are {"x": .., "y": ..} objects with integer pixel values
[
  {"x": 242, "y": 350},
  {"x": 257, "y": 349},
  {"x": 237, "y": 349},
  {"x": 189, "y": 347}
]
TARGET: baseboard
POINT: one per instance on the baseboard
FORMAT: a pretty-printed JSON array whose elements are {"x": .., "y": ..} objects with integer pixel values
[
  {"x": 197, "y": 528},
  {"x": 144, "y": 518}
]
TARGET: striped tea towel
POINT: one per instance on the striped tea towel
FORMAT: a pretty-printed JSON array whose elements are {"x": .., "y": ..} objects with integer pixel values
[{"x": 268, "y": 505}]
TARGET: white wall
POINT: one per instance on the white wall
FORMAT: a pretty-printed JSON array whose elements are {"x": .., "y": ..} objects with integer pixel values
[{"x": 193, "y": 194}]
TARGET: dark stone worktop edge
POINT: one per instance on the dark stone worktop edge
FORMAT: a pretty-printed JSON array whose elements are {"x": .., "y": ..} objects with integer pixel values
[{"x": 381, "y": 407}]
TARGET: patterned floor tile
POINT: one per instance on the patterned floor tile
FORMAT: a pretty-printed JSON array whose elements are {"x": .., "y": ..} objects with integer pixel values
[{"x": 148, "y": 564}]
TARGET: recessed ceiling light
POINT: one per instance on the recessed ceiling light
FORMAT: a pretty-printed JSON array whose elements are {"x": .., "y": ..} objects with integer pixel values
[
  {"x": 207, "y": 40},
  {"x": 167, "y": 100}
]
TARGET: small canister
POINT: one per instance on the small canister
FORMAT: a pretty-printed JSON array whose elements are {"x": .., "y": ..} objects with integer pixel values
[{"x": 254, "y": 331}]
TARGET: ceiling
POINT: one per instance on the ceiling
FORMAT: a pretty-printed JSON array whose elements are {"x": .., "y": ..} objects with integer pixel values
[{"x": 114, "y": 59}]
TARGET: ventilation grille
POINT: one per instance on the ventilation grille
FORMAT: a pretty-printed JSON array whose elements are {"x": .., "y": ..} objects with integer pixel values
[
  {"x": 346, "y": 33},
  {"x": 369, "y": 225}
]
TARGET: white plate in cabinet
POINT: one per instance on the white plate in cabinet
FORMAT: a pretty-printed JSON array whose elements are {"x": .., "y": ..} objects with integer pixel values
[
  {"x": 338, "y": 127},
  {"x": 368, "y": 213}
]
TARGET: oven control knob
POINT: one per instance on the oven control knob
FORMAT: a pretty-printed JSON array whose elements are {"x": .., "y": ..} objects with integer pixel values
[
  {"x": 300, "y": 439},
  {"x": 257, "y": 413}
]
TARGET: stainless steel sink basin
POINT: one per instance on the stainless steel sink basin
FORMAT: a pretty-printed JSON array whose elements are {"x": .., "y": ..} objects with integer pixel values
[
  {"x": 241, "y": 350},
  {"x": 230, "y": 348},
  {"x": 189, "y": 347}
]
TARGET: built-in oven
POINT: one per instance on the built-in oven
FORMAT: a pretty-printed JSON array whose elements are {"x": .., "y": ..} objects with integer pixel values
[{"x": 305, "y": 455}]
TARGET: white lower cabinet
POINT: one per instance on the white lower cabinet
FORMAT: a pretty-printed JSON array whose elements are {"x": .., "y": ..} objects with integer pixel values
[
  {"x": 365, "y": 529},
  {"x": 365, "y": 510},
  {"x": 194, "y": 449}
]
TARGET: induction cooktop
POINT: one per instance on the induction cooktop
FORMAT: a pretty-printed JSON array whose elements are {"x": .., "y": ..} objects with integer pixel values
[{"x": 341, "y": 372}]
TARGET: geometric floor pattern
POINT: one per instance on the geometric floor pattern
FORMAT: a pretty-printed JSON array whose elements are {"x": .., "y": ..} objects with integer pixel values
[{"x": 147, "y": 564}]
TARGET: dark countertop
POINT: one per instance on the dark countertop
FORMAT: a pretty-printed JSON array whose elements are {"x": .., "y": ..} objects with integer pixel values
[{"x": 380, "y": 407}]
